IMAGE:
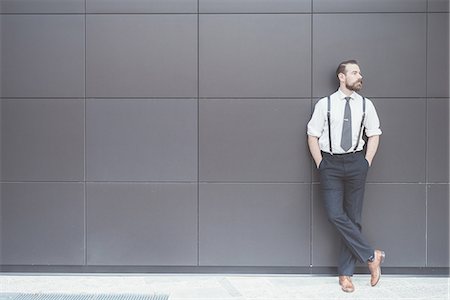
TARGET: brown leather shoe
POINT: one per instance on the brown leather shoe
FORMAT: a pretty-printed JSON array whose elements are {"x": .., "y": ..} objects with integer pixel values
[
  {"x": 346, "y": 284},
  {"x": 375, "y": 267}
]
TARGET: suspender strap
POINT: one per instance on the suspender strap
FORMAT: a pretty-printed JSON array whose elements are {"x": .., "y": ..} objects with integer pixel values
[
  {"x": 360, "y": 128},
  {"x": 329, "y": 124},
  {"x": 362, "y": 124}
]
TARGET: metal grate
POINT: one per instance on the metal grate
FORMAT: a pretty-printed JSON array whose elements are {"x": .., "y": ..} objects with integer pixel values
[{"x": 82, "y": 297}]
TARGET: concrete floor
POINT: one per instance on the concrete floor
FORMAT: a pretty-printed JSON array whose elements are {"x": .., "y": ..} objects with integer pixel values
[{"x": 227, "y": 287}]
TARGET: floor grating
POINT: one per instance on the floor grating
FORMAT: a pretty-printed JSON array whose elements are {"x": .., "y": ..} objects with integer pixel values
[{"x": 39, "y": 296}]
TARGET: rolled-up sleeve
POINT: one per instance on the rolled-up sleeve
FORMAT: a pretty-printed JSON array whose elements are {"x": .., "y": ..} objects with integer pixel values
[
  {"x": 372, "y": 123},
  {"x": 316, "y": 124}
]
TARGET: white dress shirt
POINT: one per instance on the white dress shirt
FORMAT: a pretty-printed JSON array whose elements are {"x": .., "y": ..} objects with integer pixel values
[{"x": 318, "y": 125}]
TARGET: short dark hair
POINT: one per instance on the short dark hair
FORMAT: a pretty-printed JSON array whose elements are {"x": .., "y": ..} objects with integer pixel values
[{"x": 342, "y": 65}]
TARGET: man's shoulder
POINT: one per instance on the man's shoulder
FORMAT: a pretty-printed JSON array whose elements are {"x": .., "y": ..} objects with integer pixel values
[
  {"x": 369, "y": 104},
  {"x": 325, "y": 99},
  {"x": 321, "y": 103},
  {"x": 368, "y": 100},
  {"x": 362, "y": 97}
]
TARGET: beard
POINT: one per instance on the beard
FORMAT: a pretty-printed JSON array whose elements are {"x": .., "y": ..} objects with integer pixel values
[{"x": 357, "y": 86}]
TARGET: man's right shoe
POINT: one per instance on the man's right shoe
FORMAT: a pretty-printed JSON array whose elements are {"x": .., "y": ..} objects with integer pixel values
[
  {"x": 375, "y": 267},
  {"x": 346, "y": 284}
]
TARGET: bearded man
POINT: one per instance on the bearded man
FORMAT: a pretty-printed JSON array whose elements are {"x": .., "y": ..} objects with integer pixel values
[{"x": 336, "y": 145}]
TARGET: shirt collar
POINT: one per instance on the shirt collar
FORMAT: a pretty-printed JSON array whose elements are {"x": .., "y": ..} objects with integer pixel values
[{"x": 342, "y": 95}]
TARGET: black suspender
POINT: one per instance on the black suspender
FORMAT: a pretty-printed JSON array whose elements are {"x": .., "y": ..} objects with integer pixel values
[
  {"x": 362, "y": 124},
  {"x": 360, "y": 128},
  {"x": 329, "y": 123}
]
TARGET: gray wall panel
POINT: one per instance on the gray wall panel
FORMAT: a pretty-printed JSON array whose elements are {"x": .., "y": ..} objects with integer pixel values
[
  {"x": 438, "y": 140},
  {"x": 438, "y": 225},
  {"x": 438, "y": 55},
  {"x": 41, "y": 6},
  {"x": 391, "y": 50},
  {"x": 254, "y": 6},
  {"x": 139, "y": 104},
  {"x": 1, "y": 226},
  {"x": 401, "y": 155},
  {"x": 42, "y": 56},
  {"x": 369, "y": 6},
  {"x": 246, "y": 224},
  {"x": 142, "y": 224},
  {"x": 438, "y": 5},
  {"x": 42, "y": 223},
  {"x": 390, "y": 212},
  {"x": 141, "y": 56},
  {"x": 1, "y": 175},
  {"x": 42, "y": 139},
  {"x": 141, "y": 140},
  {"x": 395, "y": 221},
  {"x": 141, "y": 6},
  {"x": 255, "y": 55},
  {"x": 254, "y": 140}
]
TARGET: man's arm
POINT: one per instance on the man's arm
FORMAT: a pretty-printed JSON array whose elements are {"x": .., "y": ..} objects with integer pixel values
[
  {"x": 313, "y": 143},
  {"x": 372, "y": 146}
]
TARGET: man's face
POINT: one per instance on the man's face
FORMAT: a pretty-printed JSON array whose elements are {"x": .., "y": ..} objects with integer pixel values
[{"x": 353, "y": 77}]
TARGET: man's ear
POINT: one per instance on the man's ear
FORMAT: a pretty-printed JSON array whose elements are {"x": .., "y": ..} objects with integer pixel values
[{"x": 341, "y": 77}]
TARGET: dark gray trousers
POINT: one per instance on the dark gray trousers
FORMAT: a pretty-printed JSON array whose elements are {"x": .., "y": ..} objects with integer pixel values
[{"x": 342, "y": 182}]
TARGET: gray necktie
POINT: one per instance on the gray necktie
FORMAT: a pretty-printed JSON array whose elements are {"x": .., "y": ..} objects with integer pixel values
[{"x": 346, "y": 140}]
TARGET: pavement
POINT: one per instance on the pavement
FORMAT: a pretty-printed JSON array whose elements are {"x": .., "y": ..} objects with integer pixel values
[{"x": 226, "y": 287}]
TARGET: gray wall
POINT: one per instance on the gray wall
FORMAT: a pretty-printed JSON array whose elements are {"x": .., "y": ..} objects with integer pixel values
[{"x": 171, "y": 133}]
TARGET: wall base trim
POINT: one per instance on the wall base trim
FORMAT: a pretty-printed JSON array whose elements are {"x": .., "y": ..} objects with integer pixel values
[{"x": 421, "y": 271}]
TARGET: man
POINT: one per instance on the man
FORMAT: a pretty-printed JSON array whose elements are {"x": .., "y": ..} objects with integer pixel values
[{"x": 336, "y": 144}]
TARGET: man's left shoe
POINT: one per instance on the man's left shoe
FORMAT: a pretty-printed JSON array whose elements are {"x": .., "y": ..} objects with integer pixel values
[
  {"x": 375, "y": 267},
  {"x": 346, "y": 284}
]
